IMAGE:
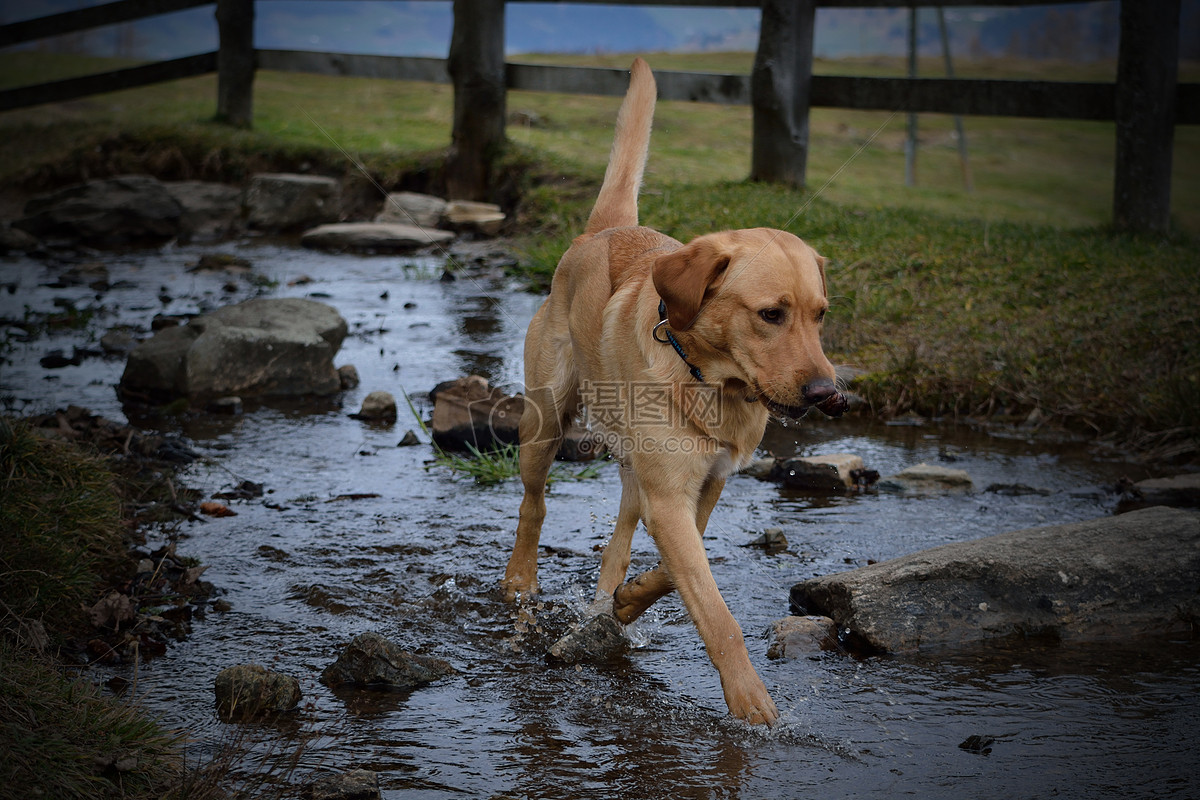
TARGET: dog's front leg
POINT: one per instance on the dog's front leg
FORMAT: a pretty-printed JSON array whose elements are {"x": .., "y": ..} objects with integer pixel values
[{"x": 673, "y": 526}]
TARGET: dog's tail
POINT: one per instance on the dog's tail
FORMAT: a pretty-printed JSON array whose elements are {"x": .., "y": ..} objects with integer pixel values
[{"x": 616, "y": 205}]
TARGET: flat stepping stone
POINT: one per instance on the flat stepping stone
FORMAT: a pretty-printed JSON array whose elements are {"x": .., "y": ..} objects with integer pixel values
[{"x": 372, "y": 236}]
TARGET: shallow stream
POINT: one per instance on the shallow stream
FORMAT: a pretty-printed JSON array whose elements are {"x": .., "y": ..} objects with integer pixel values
[{"x": 419, "y": 558}]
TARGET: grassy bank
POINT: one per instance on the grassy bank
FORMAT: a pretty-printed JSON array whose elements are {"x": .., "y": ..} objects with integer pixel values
[
  {"x": 62, "y": 537},
  {"x": 1011, "y": 299}
]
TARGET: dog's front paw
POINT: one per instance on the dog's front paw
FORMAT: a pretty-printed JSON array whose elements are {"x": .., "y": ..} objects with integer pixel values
[
  {"x": 518, "y": 587},
  {"x": 748, "y": 700}
]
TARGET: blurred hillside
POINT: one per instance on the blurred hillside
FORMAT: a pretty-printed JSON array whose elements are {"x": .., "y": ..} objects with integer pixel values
[{"x": 1074, "y": 31}]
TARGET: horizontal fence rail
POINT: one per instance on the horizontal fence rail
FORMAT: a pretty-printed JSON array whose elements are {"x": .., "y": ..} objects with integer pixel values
[
  {"x": 967, "y": 96},
  {"x": 92, "y": 17},
  {"x": 115, "y": 80}
]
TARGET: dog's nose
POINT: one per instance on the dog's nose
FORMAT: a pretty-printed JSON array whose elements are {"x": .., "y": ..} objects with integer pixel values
[
  {"x": 818, "y": 391},
  {"x": 825, "y": 396}
]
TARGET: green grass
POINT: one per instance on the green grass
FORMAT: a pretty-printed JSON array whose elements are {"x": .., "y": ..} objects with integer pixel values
[
  {"x": 61, "y": 539},
  {"x": 955, "y": 317},
  {"x": 61, "y": 526},
  {"x": 62, "y": 737},
  {"x": 499, "y": 464}
]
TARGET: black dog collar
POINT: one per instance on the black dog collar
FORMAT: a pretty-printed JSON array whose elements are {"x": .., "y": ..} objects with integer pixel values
[{"x": 671, "y": 340}]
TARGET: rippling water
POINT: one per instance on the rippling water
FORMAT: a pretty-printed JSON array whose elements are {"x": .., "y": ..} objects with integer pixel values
[{"x": 420, "y": 564}]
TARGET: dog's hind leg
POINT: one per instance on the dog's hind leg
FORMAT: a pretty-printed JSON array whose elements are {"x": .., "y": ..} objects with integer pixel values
[
  {"x": 548, "y": 411},
  {"x": 636, "y": 595}
]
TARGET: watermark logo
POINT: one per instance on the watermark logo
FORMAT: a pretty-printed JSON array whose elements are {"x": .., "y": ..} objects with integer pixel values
[
  {"x": 618, "y": 404},
  {"x": 621, "y": 417}
]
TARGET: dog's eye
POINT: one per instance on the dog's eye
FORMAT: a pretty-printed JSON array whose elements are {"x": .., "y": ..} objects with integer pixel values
[
  {"x": 772, "y": 315},
  {"x": 821, "y": 316}
]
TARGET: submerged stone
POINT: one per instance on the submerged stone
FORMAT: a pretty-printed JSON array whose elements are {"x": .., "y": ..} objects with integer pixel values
[
  {"x": 250, "y": 690},
  {"x": 599, "y": 638},
  {"x": 373, "y": 661}
]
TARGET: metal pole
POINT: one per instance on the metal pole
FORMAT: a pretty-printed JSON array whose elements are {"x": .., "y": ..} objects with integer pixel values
[
  {"x": 963, "y": 158},
  {"x": 910, "y": 142}
]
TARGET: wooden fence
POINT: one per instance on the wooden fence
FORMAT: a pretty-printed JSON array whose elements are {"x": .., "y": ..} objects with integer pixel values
[{"x": 1146, "y": 102}]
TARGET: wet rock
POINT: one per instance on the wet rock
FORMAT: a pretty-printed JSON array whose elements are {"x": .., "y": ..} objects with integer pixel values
[
  {"x": 598, "y": 639},
  {"x": 357, "y": 784},
  {"x": 827, "y": 473},
  {"x": 375, "y": 237},
  {"x": 78, "y": 424},
  {"x": 1181, "y": 491},
  {"x": 760, "y": 468},
  {"x": 113, "y": 610},
  {"x": 978, "y": 744},
  {"x": 469, "y": 411},
  {"x": 1015, "y": 490},
  {"x": 795, "y": 636},
  {"x": 467, "y": 215},
  {"x": 94, "y": 276},
  {"x": 262, "y": 347},
  {"x": 927, "y": 479},
  {"x": 411, "y": 208},
  {"x": 1133, "y": 574},
  {"x": 409, "y": 439},
  {"x": 162, "y": 321},
  {"x": 57, "y": 359},
  {"x": 15, "y": 240},
  {"x": 129, "y": 209},
  {"x": 221, "y": 262},
  {"x": 284, "y": 202},
  {"x": 245, "y": 490},
  {"x": 247, "y": 691},
  {"x": 210, "y": 210},
  {"x": 230, "y": 406},
  {"x": 377, "y": 407},
  {"x": 580, "y": 444},
  {"x": 772, "y": 540},
  {"x": 373, "y": 661},
  {"x": 118, "y": 341},
  {"x": 348, "y": 376}
]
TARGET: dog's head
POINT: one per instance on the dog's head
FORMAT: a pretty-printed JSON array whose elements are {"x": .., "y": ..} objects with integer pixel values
[{"x": 753, "y": 301}]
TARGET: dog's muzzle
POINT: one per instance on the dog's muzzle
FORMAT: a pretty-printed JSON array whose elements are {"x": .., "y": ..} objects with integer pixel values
[{"x": 820, "y": 394}]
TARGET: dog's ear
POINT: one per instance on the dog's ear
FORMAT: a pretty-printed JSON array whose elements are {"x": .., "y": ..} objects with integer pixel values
[
  {"x": 820, "y": 259},
  {"x": 684, "y": 278}
]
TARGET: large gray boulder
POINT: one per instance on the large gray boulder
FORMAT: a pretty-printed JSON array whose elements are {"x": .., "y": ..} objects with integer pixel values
[
  {"x": 209, "y": 210},
  {"x": 262, "y": 347},
  {"x": 128, "y": 209},
  {"x": 1133, "y": 574},
  {"x": 284, "y": 201}
]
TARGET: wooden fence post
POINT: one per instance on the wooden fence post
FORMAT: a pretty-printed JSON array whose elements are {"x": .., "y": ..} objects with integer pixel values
[
  {"x": 476, "y": 66},
  {"x": 780, "y": 91},
  {"x": 1147, "y": 73},
  {"x": 235, "y": 62}
]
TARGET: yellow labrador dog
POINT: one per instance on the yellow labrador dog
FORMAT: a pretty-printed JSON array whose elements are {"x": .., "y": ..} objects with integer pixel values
[{"x": 678, "y": 354}]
